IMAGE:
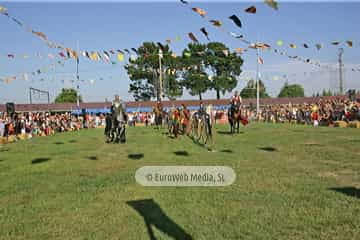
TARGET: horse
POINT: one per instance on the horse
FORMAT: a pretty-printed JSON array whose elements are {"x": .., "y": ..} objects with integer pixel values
[
  {"x": 234, "y": 118},
  {"x": 201, "y": 127},
  {"x": 158, "y": 117},
  {"x": 115, "y": 128}
]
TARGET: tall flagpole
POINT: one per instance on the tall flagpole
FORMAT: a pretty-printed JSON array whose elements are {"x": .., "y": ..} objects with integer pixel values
[
  {"x": 257, "y": 84},
  {"x": 78, "y": 78},
  {"x": 160, "y": 74}
]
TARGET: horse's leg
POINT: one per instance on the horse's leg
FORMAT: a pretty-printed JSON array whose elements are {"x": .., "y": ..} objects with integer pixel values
[{"x": 238, "y": 125}]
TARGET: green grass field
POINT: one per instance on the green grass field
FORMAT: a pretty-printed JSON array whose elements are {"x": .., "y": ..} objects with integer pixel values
[{"x": 293, "y": 182}]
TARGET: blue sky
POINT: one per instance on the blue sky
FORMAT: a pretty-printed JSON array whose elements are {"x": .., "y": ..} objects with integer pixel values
[{"x": 103, "y": 26}]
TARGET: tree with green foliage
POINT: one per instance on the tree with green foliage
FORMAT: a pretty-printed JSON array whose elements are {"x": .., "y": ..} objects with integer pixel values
[
  {"x": 249, "y": 91},
  {"x": 327, "y": 93},
  {"x": 291, "y": 90},
  {"x": 194, "y": 76},
  {"x": 67, "y": 95},
  {"x": 144, "y": 73},
  {"x": 224, "y": 66}
]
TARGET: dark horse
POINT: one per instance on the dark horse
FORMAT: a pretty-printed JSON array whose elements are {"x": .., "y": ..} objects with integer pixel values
[
  {"x": 115, "y": 128},
  {"x": 234, "y": 117}
]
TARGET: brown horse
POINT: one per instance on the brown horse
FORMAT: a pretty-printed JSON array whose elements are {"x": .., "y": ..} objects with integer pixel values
[{"x": 234, "y": 117}]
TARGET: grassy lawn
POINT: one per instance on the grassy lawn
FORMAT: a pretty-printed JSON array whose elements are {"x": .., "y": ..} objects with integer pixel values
[{"x": 293, "y": 182}]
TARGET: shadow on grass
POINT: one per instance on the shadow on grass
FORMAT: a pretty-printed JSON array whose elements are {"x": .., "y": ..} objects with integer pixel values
[
  {"x": 92, "y": 158},
  {"x": 4, "y": 149},
  {"x": 355, "y": 140},
  {"x": 350, "y": 191},
  {"x": 297, "y": 130},
  {"x": 224, "y": 132},
  {"x": 136, "y": 156},
  {"x": 72, "y": 141},
  {"x": 313, "y": 145},
  {"x": 181, "y": 153},
  {"x": 228, "y": 132},
  {"x": 227, "y": 151},
  {"x": 268, "y": 149},
  {"x": 59, "y": 143},
  {"x": 39, "y": 160},
  {"x": 154, "y": 216}
]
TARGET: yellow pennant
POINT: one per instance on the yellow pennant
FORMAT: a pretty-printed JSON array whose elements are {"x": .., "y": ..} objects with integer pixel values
[{"x": 120, "y": 57}]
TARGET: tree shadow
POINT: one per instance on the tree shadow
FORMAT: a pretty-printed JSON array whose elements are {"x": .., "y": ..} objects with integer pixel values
[
  {"x": 350, "y": 191},
  {"x": 92, "y": 158},
  {"x": 268, "y": 149},
  {"x": 39, "y": 160},
  {"x": 154, "y": 216},
  {"x": 355, "y": 140},
  {"x": 136, "y": 156},
  {"x": 72, "y": 141},
  {"x": 227, "y": 151},
  {"x": 181, "y": 153},
  {"x": 59, "y": 143}
]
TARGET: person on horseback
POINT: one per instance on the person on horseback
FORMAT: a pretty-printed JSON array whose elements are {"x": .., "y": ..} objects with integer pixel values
[
  {"x": 234, "y": 114},
  {"x": 185, "y": 119},
  {"x": 158, "y": 112},
  {"x": 118, "y": 119},
  {"x": 235, "y": 101}
]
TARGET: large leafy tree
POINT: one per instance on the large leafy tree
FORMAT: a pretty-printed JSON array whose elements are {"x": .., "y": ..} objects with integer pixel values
[
  {"x": 194, "y": 76},
  {"x": 291, "y": 90},
  {"x": 326, "y": 93},
  {"x": 224, "y": 65},
  {"x": 67, "y": 95},
  {"x": 144, "y": 73},
  {"x": 249, "y": 91}
]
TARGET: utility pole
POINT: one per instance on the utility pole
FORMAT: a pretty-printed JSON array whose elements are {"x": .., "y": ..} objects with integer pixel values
[
  {"x": 341, "y": 81},
  {"x": 160, "y": 75}
]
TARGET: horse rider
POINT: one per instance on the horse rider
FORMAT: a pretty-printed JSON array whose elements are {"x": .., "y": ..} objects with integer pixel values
[
  {"x": 203, "y": 115},
  {"x": 118, "y": 112},
  {"x": 185, "y": 119},
  {"x": 158, "y": 111},
  {"x": 235, "y": 100}
]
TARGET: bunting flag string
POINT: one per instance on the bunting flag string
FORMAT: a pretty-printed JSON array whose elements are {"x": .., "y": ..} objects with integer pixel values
[
  {"x": 39, "y": 34},
  {"x": 273, "y": 4}
]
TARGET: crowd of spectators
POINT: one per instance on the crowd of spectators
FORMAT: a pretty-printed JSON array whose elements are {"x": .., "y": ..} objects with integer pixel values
[
  {"x": 29, "y": 125},
  {"x": 323, "y": 113}
]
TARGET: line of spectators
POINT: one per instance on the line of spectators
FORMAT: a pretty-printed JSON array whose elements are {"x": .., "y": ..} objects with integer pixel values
[
  {"x": 28, "y": 125},
  {"x": 323, "y": 113}
]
